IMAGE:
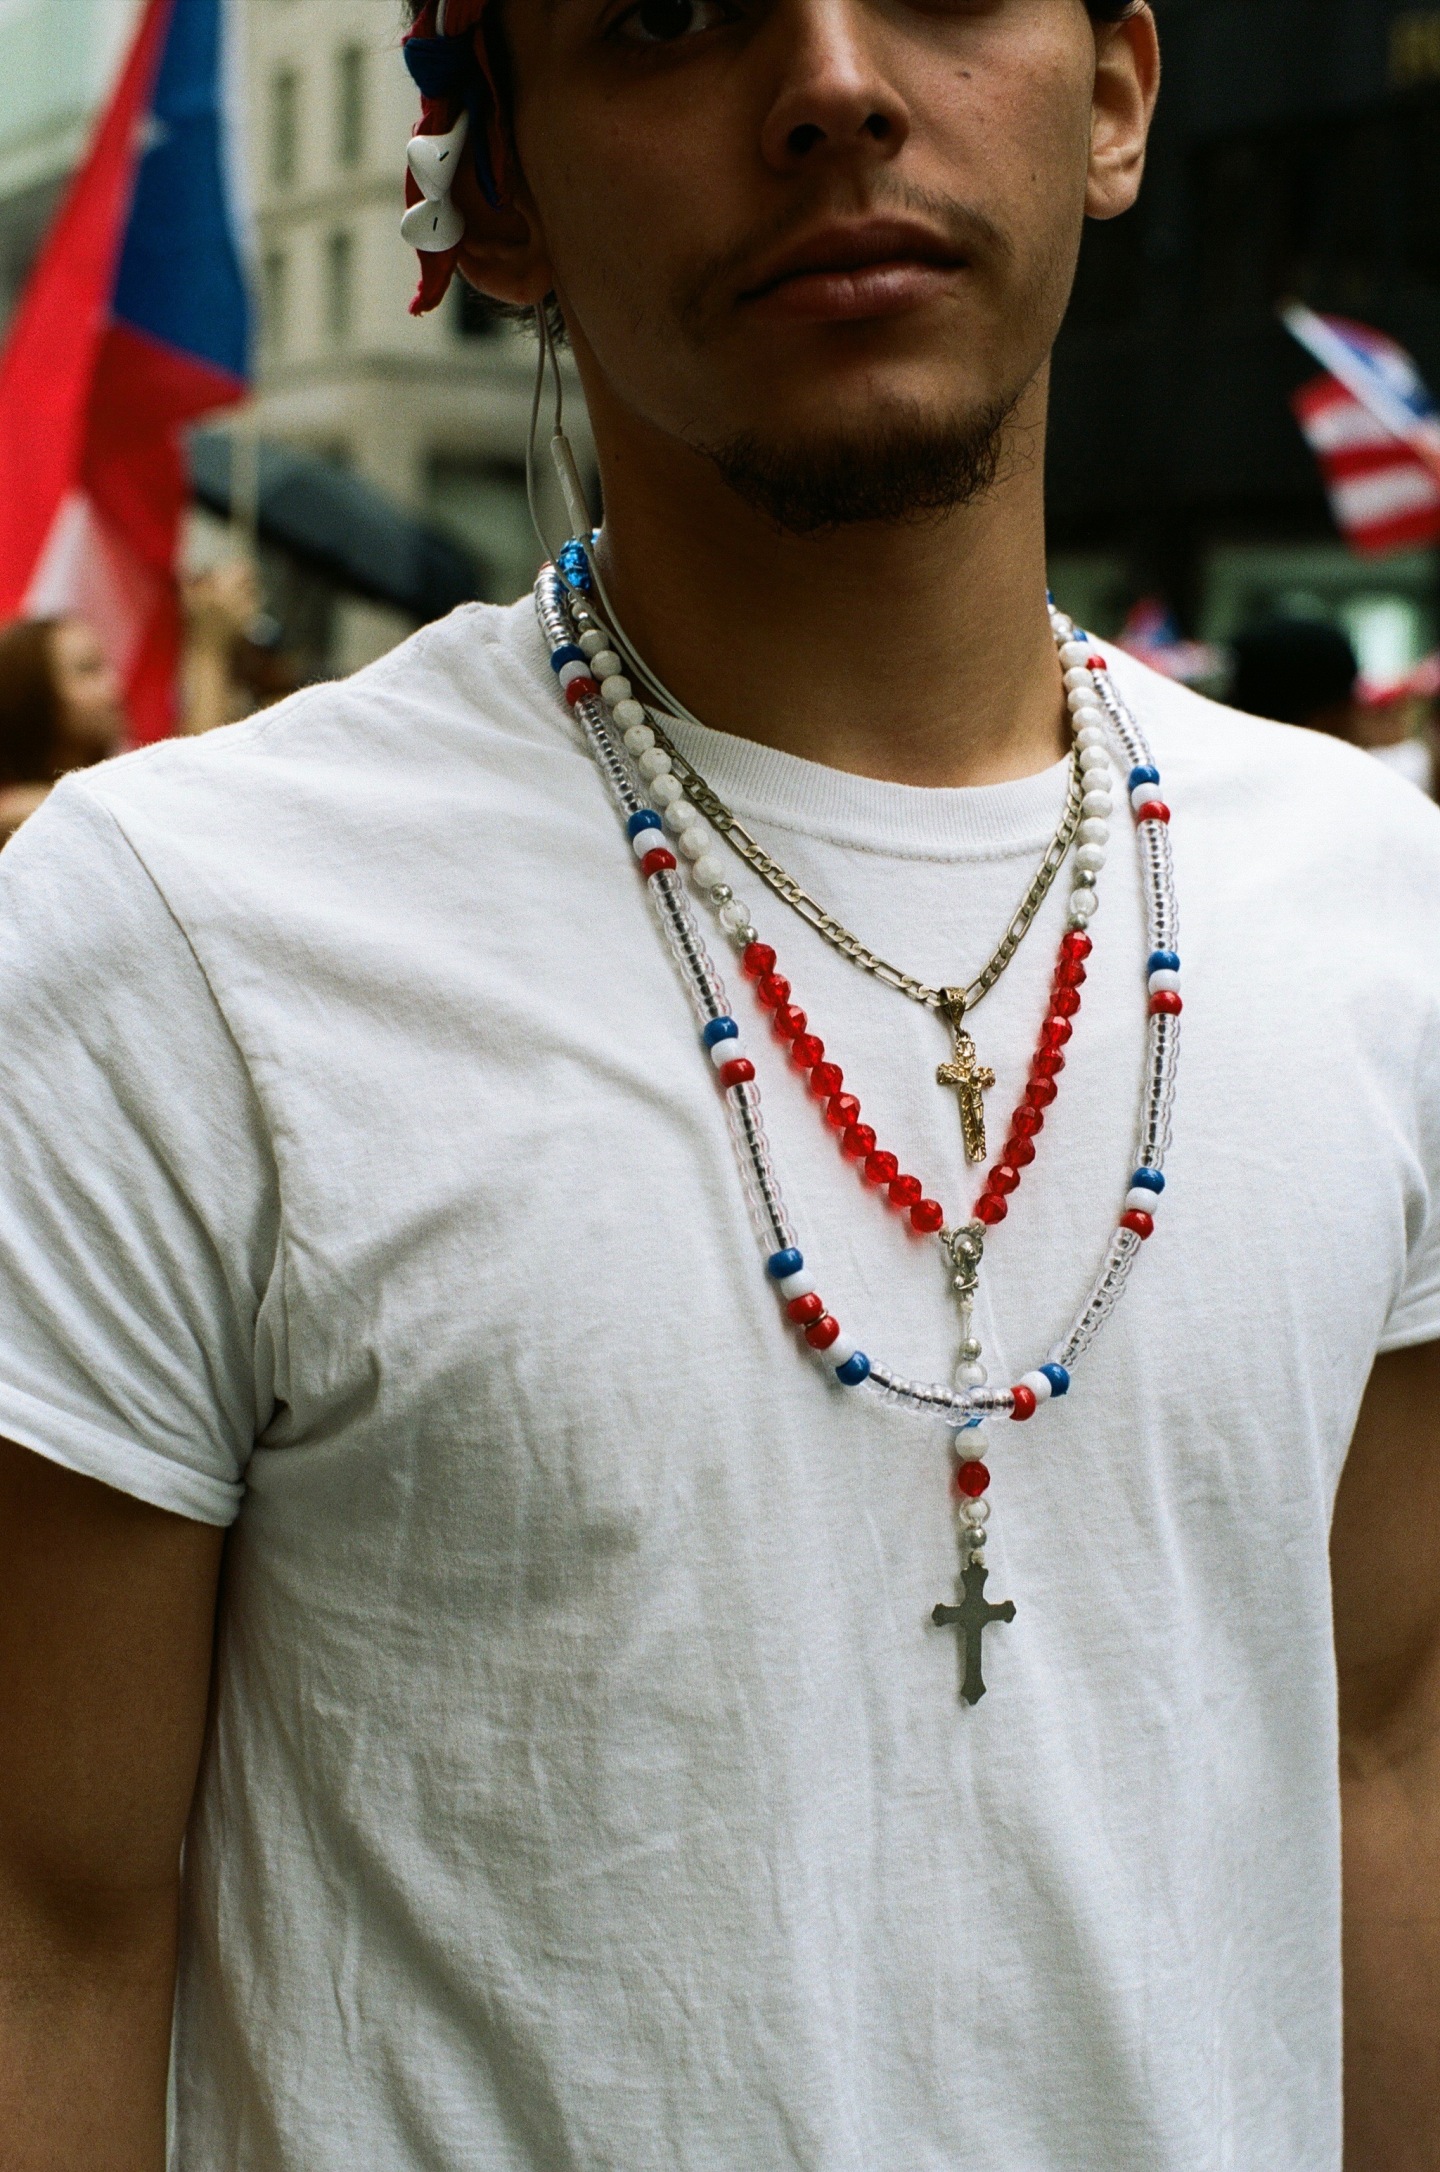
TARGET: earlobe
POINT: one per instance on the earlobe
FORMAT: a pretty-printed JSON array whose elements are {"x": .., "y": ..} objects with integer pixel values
[{"x": 1127, "y": 83}]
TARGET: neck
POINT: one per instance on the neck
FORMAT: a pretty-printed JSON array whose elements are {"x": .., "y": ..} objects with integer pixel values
[{"x": 918, "y": 653}]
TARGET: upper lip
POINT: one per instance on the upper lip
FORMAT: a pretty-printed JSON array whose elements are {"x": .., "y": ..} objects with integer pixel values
[{"x": 854, "y": 245}]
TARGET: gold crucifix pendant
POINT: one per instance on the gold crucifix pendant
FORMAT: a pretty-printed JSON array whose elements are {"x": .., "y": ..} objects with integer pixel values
[{"x": 965, "y": 1073}]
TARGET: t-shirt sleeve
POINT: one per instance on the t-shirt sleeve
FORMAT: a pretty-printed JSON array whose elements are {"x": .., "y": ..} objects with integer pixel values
[
  {"x": 1414, "y": 1316},
  {"x": 139, "y": 1213}
]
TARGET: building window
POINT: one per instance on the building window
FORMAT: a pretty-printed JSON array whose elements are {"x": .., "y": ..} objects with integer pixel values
[
  {"x": 274, "y": 300},
  {"x": 350, "y": 105},
  {"x": 340, "y": 286},
  {"x": 284, "y": 126}
]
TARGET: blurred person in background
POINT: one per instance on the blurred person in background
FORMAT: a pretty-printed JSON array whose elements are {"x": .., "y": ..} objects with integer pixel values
[
  {"x": 60, "y": 709},
  {"x": 1305, "y": 671}
]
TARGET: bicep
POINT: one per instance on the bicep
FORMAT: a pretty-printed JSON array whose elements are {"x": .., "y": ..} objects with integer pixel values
[
  {"x": 107, "y": 1610},
  {"x": 1385, "y": 1555}
]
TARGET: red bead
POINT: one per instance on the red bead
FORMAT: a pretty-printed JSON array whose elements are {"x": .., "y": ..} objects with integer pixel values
[
  {"x": 1002, "y": 1179},
  {"x": 1075, "y": 944},
  {"x": 654, "y": 863},
  {"x": 1048, "y": 1064},
  {"x": 1097, "y": 663},
  {"x": 990, "y": 1208},
  {"x": 826, "y": 1080},
  {"x": 1056, "y": 1032},
  {"x": 580, "y": 690},
  {"x": 1071, "y": 974},
  {"x": 1027, "y": 1120},
  {"x": 1066, "y": 1002},
  {"x": 789, "y": 1022},
  {"x": 927, "y": 1217},
  {"x": 772, "y": 990},
  {"x": 1024, "y": 1403},
  {"x": 1041, "y": 1092},
  {"x": 906, "y": 1191},
  {"x": 758, "y": 959},
  {"x": 858, "y": 1141},
  {"x": 1142, "y": 1224},
  {"x": 823, "y": 1333},
  {"x": 881, "y": 1169},
  {"x": 842, "y": 1111},
  {"x": 1019, "y": 1151},
  {"x": 972, "y": 1479},
  {"x": 738, "y": 1072},
  {"x": 1166, "y": 1005},
  {"x": 804, "y": 1311},
  {"x": 1154, "y": 810},
  {"x": 807, "y": 1050}
]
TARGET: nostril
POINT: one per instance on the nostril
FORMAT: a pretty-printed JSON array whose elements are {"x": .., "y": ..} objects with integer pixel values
[
  {"x": 804, "y": 138},
  {"x": 876, "y": 125}
]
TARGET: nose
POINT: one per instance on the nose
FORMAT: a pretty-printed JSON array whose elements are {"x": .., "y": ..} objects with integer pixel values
[{"x": 835, "y": 100}]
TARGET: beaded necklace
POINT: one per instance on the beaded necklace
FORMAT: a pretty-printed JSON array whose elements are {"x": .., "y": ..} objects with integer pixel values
[{"x": 1104, "y": 726}]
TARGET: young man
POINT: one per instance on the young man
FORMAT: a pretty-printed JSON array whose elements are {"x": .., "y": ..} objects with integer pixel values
[{"x": 584, "y": 1782}]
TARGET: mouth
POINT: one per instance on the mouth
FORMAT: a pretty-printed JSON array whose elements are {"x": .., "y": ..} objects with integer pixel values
[{"x": 866, "y": 269}]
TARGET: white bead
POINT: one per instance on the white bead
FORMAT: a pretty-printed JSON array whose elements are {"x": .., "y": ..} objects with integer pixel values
[
  {"x": 1039, "y": 1386},
  {"x": 972, "y": 1376},
  {"x": 709, "y": 869},
  {"x": 722, "y": 1052},
  {"x": 572, "y": 671},
  {"x": 615, "y": 688},
  {"x": 1082, "y": 904},
  {"x": 1141, "y": 1202},
  {"x": 697, "y": 840},
  {"x": 629, "y": 715},
  {"x": 592, "y": 643},
  {"x": 733, "y": 916},
  {"x": 679, "y": 813},
  {"x": 1098, "y": 804},
  {"x": 1164, "y": 983},
  {"x": 1093, "y": 831},
  {"x": 1089, "y": 732},
  {"x": 841, "y": 1350},
  {"x": 654, "y": 762},
  {"x": 977, "y": 1513},
  {"x": 1073, "y": 654},
  {"x": 1078, "y": 680},
  {"x": 646, "y": 840},
  {"x": 798, "y": 1285},
  {"x": 1091, "y": 856},
  {"x": 664, "y": 791},
  {"x": 604, "y": 662},
  {"x": 1143, "y": 794},
  {"x": 1095, "y": 765}
]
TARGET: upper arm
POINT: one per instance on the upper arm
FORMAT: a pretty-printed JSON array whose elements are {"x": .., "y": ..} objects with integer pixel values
[
  {"x": 107, "y": 1609},
  {"x": 1385, "y": 1554}
]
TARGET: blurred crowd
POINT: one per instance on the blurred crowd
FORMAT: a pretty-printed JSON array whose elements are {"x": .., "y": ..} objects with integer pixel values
[{"x": 61, "y": 704}]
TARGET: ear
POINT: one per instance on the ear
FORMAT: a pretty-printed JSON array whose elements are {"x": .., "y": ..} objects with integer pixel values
[
  {"x": 501, "y": 251},
  {"x": 1127, "y": 83}
]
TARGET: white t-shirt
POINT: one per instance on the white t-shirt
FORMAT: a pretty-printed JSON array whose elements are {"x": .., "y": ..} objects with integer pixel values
[{"x": 588, "y": 1787}]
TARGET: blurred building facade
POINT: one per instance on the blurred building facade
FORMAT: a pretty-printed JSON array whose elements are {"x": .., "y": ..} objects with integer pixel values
[{"x": 1296, "y": 155}]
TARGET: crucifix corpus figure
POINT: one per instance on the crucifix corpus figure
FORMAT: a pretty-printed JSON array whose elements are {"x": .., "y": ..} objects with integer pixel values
[
  {"x": 972, "y": 1617},
  {"x": 965, "y": 1073}
]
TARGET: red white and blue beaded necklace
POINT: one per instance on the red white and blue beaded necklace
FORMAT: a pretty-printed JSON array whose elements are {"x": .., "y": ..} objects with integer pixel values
[{"x": 639, "y": 766}]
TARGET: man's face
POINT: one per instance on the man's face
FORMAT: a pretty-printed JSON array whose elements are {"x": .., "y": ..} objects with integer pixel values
[{"x": 814, "y": 225}]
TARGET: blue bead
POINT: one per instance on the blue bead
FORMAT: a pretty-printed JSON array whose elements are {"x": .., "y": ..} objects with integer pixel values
[
  {"x": 1163, "y": 961},
  {"x": 853, "y": 1371},
  {"x": 574, "y": 567},
  {"x": 1058, "y": 1378},
  {"x": 567, "y": 653},
  {"x": 1147, "y": 1180},
  {"x": 721, "y": 1029},
  {"x": 781, "y": 1264},
  {"x": 646, "y": 819},
  {"x": 1145, "y": 774}
]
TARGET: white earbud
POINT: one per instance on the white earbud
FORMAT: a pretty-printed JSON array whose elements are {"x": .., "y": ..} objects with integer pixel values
[
  {"x": 433, "y": 225},
  {"x": 435, "y": 160}
]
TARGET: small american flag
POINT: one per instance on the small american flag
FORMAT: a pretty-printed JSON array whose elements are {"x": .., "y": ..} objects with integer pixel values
[{"x": 1375, "y": 430}]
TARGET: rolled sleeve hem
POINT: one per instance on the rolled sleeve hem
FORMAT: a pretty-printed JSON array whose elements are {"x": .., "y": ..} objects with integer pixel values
[{"x": 116, "y": 1461}]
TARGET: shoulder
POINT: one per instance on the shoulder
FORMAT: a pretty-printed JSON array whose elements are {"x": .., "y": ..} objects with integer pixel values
[{"x": 1273, "y": 803}]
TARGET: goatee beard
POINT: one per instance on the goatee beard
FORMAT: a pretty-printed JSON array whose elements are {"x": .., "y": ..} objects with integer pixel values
[{"x": 902, "y": 471}]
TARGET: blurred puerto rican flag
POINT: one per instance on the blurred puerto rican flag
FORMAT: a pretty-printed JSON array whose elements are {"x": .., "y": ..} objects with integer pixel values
[
  {"x": 134, "y": 321},
  {"x": 1375, "y": 431}
]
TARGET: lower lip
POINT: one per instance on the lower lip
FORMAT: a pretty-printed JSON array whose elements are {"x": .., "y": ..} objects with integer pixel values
[{"x": 875, "y": 290}]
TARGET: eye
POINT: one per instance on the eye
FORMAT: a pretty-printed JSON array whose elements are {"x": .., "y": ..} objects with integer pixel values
[{"x": 665, "y": 22}]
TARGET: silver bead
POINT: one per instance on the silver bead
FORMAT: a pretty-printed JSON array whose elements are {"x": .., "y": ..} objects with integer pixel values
[
  {"x": 970, "y": 1350},
  {"x": 721, "y": 894},
  {"x": 1082, "y": 878},
  {"x": 743, "y": 937}
]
